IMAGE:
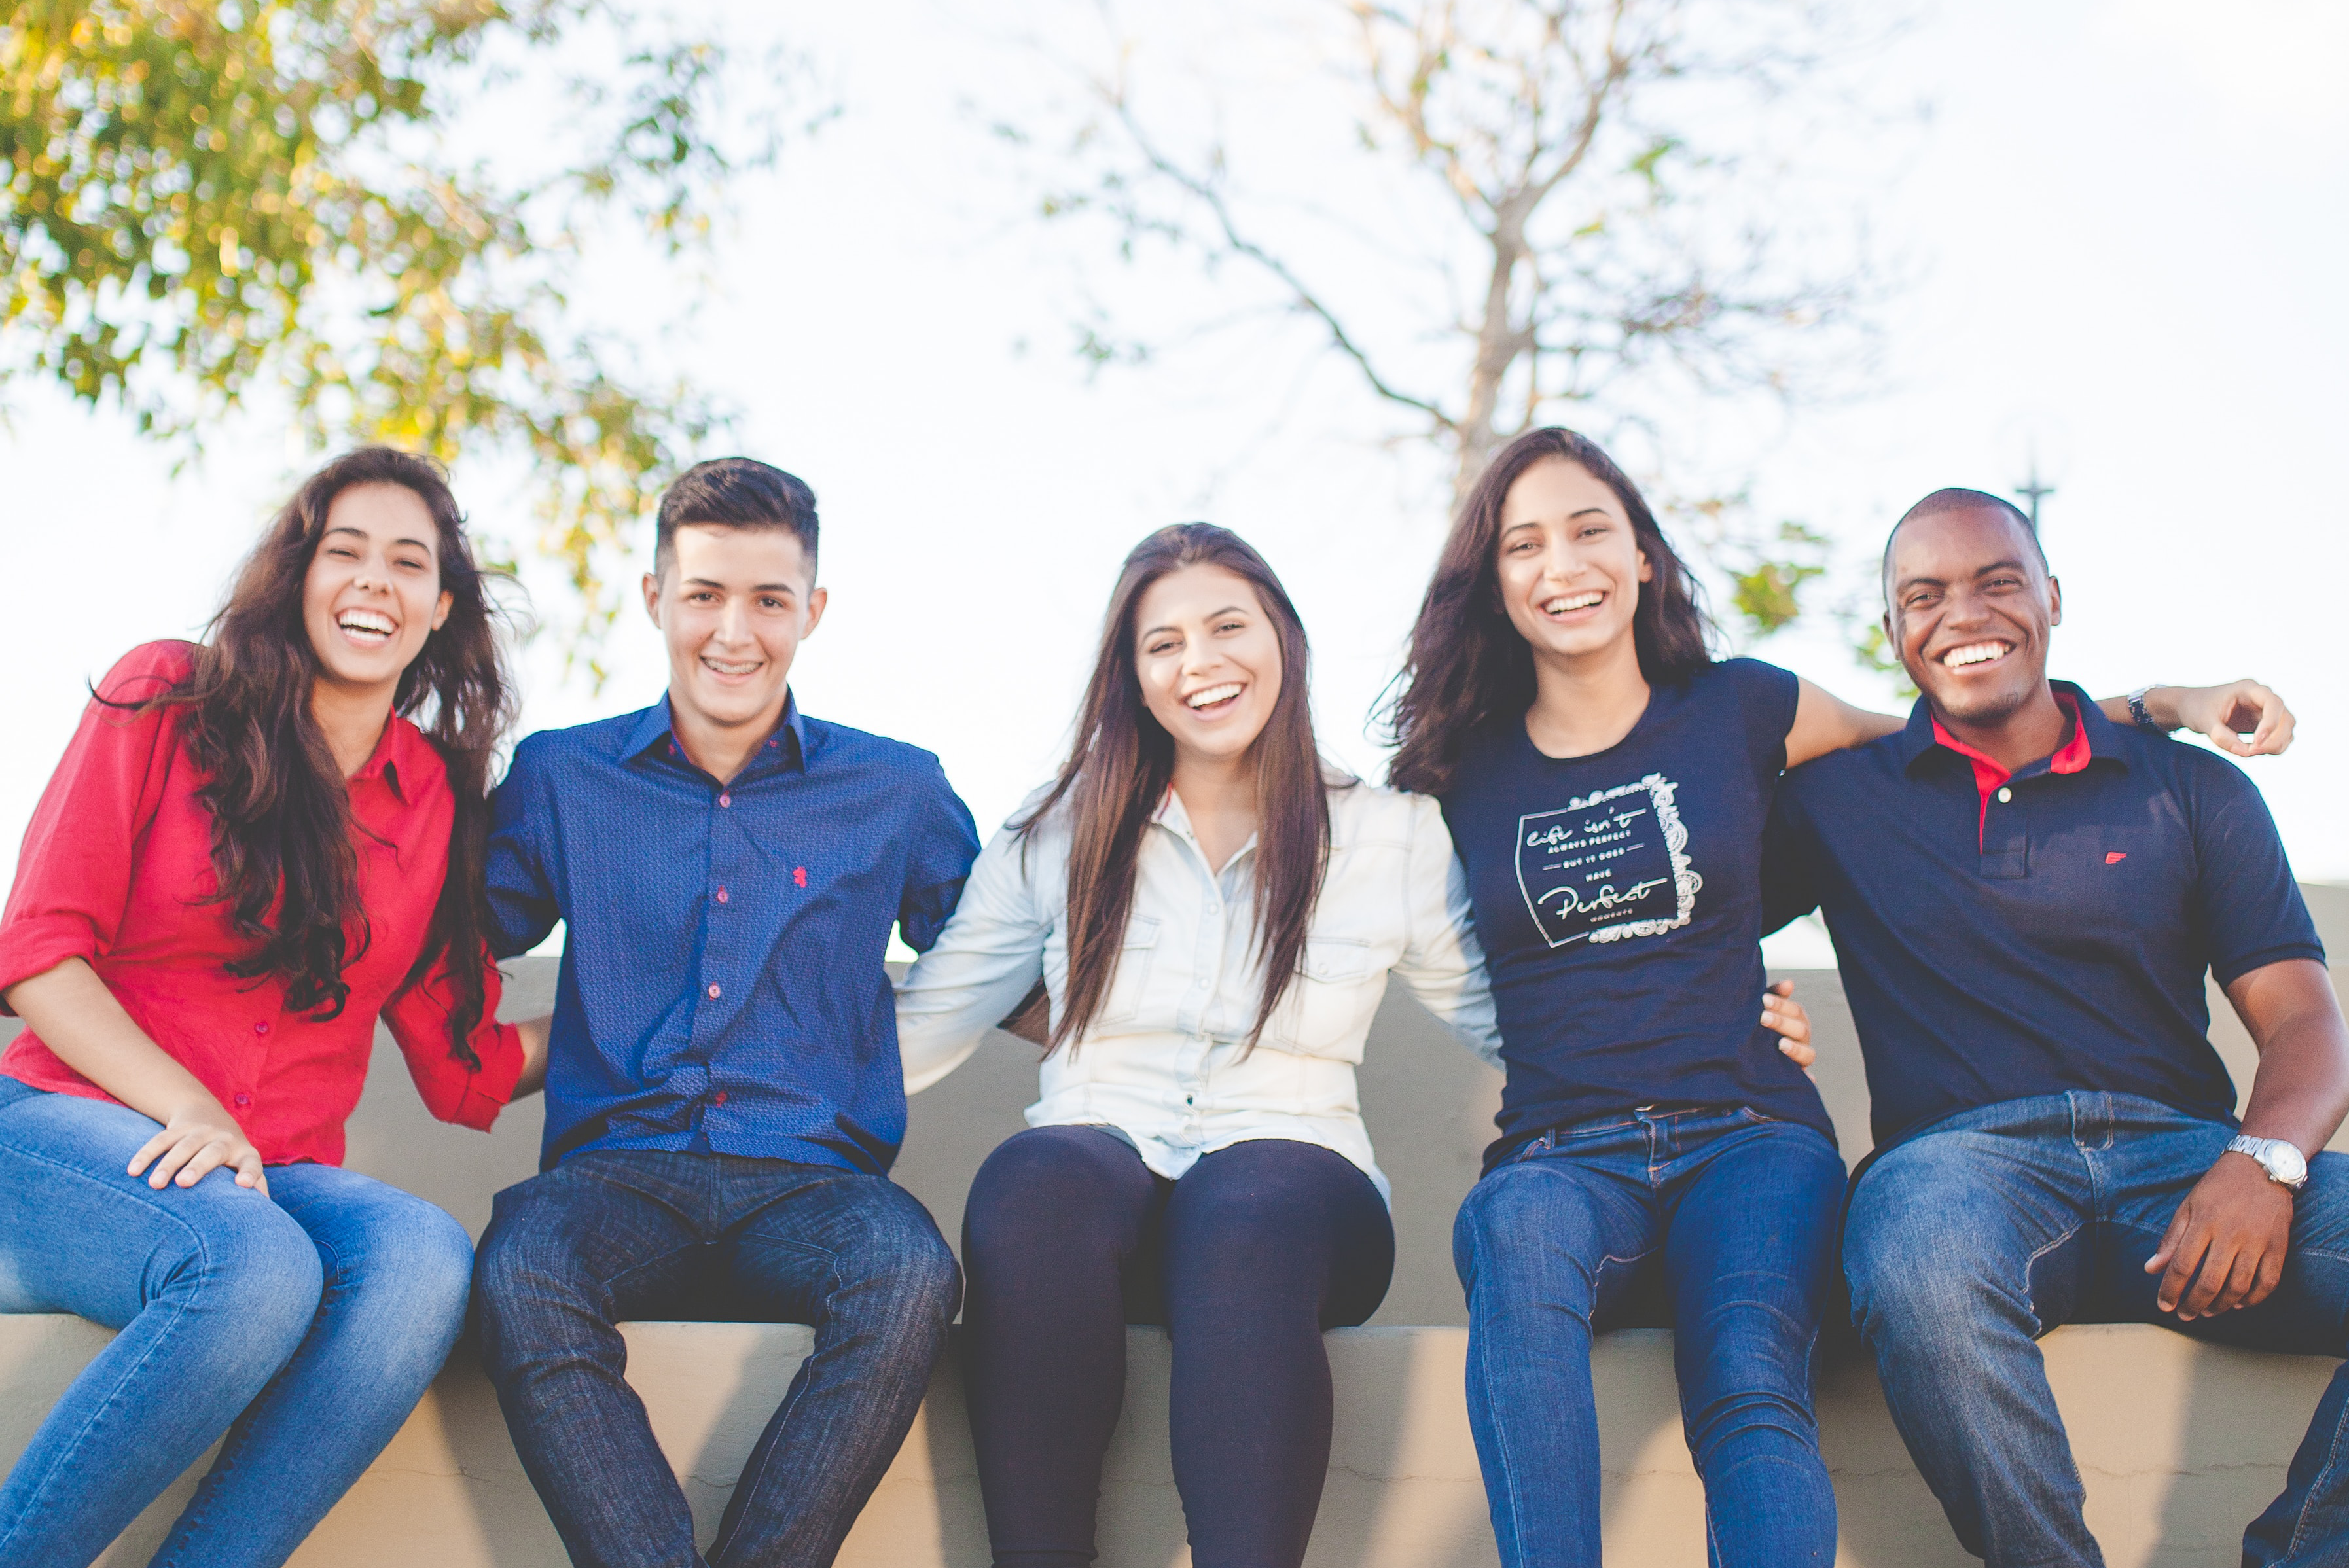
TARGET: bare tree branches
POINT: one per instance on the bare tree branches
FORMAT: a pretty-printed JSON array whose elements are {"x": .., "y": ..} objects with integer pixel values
[{"x": 1596, "y": 235}]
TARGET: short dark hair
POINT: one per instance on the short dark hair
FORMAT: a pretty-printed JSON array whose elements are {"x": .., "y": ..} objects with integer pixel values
[
  {"x": 735, "y": 492},
  {"x": 1956, "y": 498}
]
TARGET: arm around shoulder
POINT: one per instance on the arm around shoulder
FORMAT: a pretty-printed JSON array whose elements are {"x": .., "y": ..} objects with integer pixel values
[{"x": 985, "y": 959}]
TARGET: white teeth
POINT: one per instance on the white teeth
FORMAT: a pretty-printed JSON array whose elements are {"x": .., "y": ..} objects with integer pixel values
[
  {"x": 724, "y": 668},
  {"x": 1213, "y": 693},
  {"x": 1573, "y": 602},
  {"x": 368, "y": 622},
  {"x": 1973, "y": 654}
]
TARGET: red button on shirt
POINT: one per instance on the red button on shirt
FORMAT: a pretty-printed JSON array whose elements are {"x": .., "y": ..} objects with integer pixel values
[
  {"x": 717, "y": 1098},
  {"x": 722, "y": 895},
  {"x": 713, "y": 993},
  {"x": 116, "y": 867},
  {"x": 725, "y": 800}
]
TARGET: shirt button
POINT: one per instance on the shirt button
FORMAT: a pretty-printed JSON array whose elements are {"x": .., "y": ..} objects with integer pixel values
[
  {"x": 2004, "y": 796},
  {"x": 722, "y": 895},
  {"x": 717, "y": 1098},
  {"x": 261, "y": 1028},
  {"x": 713, "y": 993},
  {"x": 725, "y": 800},
  {"x": 244, "y": 1099}
]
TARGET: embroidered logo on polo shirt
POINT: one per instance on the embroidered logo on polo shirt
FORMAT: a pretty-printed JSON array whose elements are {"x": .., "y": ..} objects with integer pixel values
[
  {"x": 1609, "y": 866},
  {"x": 2114, "y": 857},
  {"x": 799, "y": 876}
]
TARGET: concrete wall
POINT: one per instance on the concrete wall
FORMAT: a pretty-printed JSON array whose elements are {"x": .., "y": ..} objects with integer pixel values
[{"x": 2181, "y": 1443}]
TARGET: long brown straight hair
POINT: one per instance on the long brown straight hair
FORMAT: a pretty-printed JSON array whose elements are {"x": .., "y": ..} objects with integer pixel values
[
  {"x": 1122, "y": 763},
  {"x": 1469, "y": 666},
  {"x": 282, "y": 824}
]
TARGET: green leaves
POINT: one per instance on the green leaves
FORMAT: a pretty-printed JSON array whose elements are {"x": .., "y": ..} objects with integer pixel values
[{"x": 200, "y": 197}]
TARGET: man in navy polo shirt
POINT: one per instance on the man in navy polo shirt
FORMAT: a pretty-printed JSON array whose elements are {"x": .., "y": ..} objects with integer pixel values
[
  {"x": 723, "y": 1094},
  {"x": 2055, "y": 1136}
]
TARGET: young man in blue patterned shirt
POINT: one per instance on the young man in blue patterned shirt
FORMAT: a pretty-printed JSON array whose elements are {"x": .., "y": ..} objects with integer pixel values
[{"x": 723, "y": 1095}]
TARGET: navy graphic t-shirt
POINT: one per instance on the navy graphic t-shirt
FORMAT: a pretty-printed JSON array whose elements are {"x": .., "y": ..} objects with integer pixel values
[{"x": 1618, "y": 899}]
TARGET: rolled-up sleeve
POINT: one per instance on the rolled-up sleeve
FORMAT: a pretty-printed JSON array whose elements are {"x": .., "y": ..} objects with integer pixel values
[
  {"x": 73, "y": 872},
  {"x": 453, "y": 1092}
]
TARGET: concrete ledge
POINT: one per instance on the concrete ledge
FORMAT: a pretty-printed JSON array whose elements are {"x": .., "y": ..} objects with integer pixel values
[{"x": 2181, "y": 1445}]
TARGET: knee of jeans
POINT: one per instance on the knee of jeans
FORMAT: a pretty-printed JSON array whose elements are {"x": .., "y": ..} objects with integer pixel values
[
  {"x": 520, "y": 1267},
  {"x": 420, "y": 1262},
  {"x": 1510, "y": 1231},
  {"x": 913, "y": 1273},
  {"x": 250, "y": 1263},
  {"x": 1903, "y": 1271}
]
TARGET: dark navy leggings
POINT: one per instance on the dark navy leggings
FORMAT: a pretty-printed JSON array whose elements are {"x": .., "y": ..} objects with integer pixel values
[{"x": 1068, "y": 1238}]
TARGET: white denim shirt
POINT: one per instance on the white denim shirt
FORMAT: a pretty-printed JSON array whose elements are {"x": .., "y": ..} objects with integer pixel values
[{"x": 1162, "y": 1063}]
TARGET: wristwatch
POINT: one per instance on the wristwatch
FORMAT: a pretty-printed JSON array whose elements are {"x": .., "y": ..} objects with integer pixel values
[
  {"x": 2286, "y": 1166},
  {"x": 2144, "y": 720}
]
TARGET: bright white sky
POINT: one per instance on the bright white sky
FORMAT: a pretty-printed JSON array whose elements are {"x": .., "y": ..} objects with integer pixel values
[{"x": 2127, "y": 219}]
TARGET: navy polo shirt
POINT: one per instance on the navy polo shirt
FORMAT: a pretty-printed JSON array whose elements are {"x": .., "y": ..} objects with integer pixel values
[
  {"x": 722, "y": 986},
  {"x": 2045, "y": 932}
]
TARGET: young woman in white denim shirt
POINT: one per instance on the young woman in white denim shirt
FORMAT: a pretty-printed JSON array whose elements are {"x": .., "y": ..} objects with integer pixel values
[{"x": 1197, "y": 1156}]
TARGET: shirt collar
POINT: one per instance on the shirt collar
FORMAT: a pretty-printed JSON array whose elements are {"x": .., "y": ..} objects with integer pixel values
[
  {"x": 787, "y": 747},
  {"x": 1172, "y": 816},
  {"x": 394, "y": 753},
  {"x": 2092, "y": 738}
]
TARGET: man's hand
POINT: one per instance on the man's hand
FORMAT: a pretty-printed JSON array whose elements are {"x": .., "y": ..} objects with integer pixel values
[
  {"x": 2225, "y": 713},
  {"x": 1782, "y": 1012},
  {"x": 2235, "y": 1228}
]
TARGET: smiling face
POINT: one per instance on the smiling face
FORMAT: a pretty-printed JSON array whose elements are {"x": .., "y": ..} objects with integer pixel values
[
  {"x": 733, "y": 604},
  {"x": 1208, "y": 659},
  {"x": 372, "y": 593},
  {"x": 1570, "y": 563},
  {"x": 1971, "y": 607}
]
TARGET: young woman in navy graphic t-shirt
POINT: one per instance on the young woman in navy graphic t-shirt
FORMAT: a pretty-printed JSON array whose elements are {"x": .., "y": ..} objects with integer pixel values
[{"x": 1662, "y": 1155}]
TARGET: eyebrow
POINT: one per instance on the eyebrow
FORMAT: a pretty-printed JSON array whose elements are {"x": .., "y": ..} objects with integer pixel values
[
  {"x": 760, "y": 588},
  {"x": 1921, "y": 580},
  {"x": 1227, "y": 610},
  {"x": 362, "y": 533},
  {"x": 1581, "y": 511}
]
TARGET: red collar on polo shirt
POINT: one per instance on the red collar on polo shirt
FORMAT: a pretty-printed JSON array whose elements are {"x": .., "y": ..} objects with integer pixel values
[{"x": 1989, "y": 773}]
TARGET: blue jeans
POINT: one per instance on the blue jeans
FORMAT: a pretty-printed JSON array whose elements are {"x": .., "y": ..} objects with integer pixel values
[
  {"x": 613, "y": 1235},
  {"x": 1721, "y": 1222},
  {"x": 1968, "y": 1241},
  {"x": 305, "y": 1325}
]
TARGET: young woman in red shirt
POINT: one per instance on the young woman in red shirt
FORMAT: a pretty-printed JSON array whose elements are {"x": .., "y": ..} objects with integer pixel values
[{"x": 250, "y": 852}]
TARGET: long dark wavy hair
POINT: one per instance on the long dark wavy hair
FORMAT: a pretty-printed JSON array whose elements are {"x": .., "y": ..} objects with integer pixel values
[
  {"x": 282, "y": 824},
  {"x": 1122, "y": 764},
  {"x": 1468, "y": 667}
]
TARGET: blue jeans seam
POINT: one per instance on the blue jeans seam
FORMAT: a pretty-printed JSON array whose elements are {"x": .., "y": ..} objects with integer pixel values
[
  {"x": 746, "y": 1484},
  {"x": 62, "y": 1465}
]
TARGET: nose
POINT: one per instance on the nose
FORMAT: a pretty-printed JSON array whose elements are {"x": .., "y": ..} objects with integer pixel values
[{"x": 732, "y": 625}]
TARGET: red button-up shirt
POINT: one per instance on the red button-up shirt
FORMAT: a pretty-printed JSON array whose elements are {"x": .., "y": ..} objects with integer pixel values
[{"x": 115, "y": 868}]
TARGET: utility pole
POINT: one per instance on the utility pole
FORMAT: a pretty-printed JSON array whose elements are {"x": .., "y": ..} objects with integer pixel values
[{"x": 2033, "y": 491}]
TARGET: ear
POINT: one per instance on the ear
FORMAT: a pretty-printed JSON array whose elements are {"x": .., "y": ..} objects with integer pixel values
[
  {"x": 2055, "y": 602},
  {"x": 652, "y": 596},
  {"x": 441, "y": 611},
  {"x": 1647, "y": 568},
  {"x": 816, "y": 600}
]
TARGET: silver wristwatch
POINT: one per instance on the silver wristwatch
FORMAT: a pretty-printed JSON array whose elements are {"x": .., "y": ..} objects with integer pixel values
[{"x": 2286, "y": 1165}]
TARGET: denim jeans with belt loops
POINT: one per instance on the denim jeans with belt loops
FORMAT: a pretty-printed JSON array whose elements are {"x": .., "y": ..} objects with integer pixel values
[{"x": 1720, "y": 1221}]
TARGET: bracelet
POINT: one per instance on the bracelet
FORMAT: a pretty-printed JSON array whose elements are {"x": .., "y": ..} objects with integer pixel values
[{"x": 2138, "y": 715}]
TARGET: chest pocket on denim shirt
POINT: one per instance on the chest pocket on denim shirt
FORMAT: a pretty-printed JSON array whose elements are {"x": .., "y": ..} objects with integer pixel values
[
  {"x": 1127, "y": 986},
  {"x": 1325, "y": 997}
]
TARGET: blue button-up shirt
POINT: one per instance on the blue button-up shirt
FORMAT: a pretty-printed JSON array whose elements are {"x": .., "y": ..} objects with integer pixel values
[
  {"x": 722, "y": 984},
  {"x": 2050, "y": 935}
]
